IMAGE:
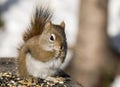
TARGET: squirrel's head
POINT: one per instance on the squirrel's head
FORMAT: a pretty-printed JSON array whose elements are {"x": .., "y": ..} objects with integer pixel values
[{"x": 53, "y": 37}]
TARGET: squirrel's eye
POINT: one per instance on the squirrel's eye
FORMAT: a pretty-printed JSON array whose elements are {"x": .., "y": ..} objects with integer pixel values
[{"x": 52, "y": 37}]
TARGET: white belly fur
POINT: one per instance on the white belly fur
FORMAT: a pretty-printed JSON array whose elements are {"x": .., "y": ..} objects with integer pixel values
[{"x": 42, "y": 69}]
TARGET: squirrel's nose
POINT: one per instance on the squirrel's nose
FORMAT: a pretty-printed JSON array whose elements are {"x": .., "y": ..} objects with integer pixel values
[{"x": 62, "y": 47}]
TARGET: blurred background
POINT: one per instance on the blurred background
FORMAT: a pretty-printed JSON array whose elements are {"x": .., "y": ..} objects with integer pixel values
[{"x": 93, "y": 36}]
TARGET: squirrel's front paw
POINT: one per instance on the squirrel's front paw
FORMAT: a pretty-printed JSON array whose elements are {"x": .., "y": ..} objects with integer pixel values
[{"x": 32, "y": 79}]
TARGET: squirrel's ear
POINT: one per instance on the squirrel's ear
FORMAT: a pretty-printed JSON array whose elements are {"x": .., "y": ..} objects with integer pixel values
[
  {"x": 62, "y": 24},
  {"x": 48, "y": 24}
]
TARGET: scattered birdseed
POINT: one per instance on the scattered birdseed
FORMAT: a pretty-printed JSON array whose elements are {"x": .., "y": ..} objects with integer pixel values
[
  {"x": 9, "y": 79},
  {"x": 12, "y": 80}
]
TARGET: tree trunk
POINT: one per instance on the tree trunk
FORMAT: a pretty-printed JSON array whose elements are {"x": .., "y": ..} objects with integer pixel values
[{"x": 94, "y": 61}]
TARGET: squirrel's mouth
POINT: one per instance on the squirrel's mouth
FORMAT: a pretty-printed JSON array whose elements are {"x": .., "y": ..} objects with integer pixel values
[{"x": 58, "y": 54}]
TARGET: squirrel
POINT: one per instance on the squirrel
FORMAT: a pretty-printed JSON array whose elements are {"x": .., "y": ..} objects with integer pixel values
[{"x": 44, "y": 48}]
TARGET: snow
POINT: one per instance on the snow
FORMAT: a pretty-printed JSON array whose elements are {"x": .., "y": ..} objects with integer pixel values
[{"x": 114, "y": 18}]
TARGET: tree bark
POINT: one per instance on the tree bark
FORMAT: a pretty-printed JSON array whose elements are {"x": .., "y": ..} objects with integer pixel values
[{"x": 94, "y": 62}]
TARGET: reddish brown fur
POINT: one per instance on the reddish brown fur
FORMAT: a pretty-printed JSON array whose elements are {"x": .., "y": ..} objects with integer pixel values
[
  {"x": 34, "y": 41},
  {"x": 41, "y": 17}
]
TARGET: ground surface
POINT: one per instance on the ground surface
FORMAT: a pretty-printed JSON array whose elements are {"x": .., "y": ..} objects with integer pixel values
[{"x": 9, "y": 77}]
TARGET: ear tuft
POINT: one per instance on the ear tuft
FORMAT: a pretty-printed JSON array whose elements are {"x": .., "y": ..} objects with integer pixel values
[
  {"x": 48, "y": 24},
  {"x": 62, "y": 24}
]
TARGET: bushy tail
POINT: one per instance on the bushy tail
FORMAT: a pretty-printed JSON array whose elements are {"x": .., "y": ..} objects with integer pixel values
[{"x": 40, "y": 18}]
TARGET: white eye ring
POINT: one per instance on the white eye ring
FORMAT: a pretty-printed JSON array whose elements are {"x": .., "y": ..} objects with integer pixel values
[{"x": 52, "y": 37}]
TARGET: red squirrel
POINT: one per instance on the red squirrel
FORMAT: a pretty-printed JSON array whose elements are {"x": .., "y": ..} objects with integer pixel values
[{"x": 45, "y": 47}]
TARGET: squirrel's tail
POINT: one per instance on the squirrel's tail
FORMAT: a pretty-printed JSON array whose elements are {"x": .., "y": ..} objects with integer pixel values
[{"x": 40, "y": 18}]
